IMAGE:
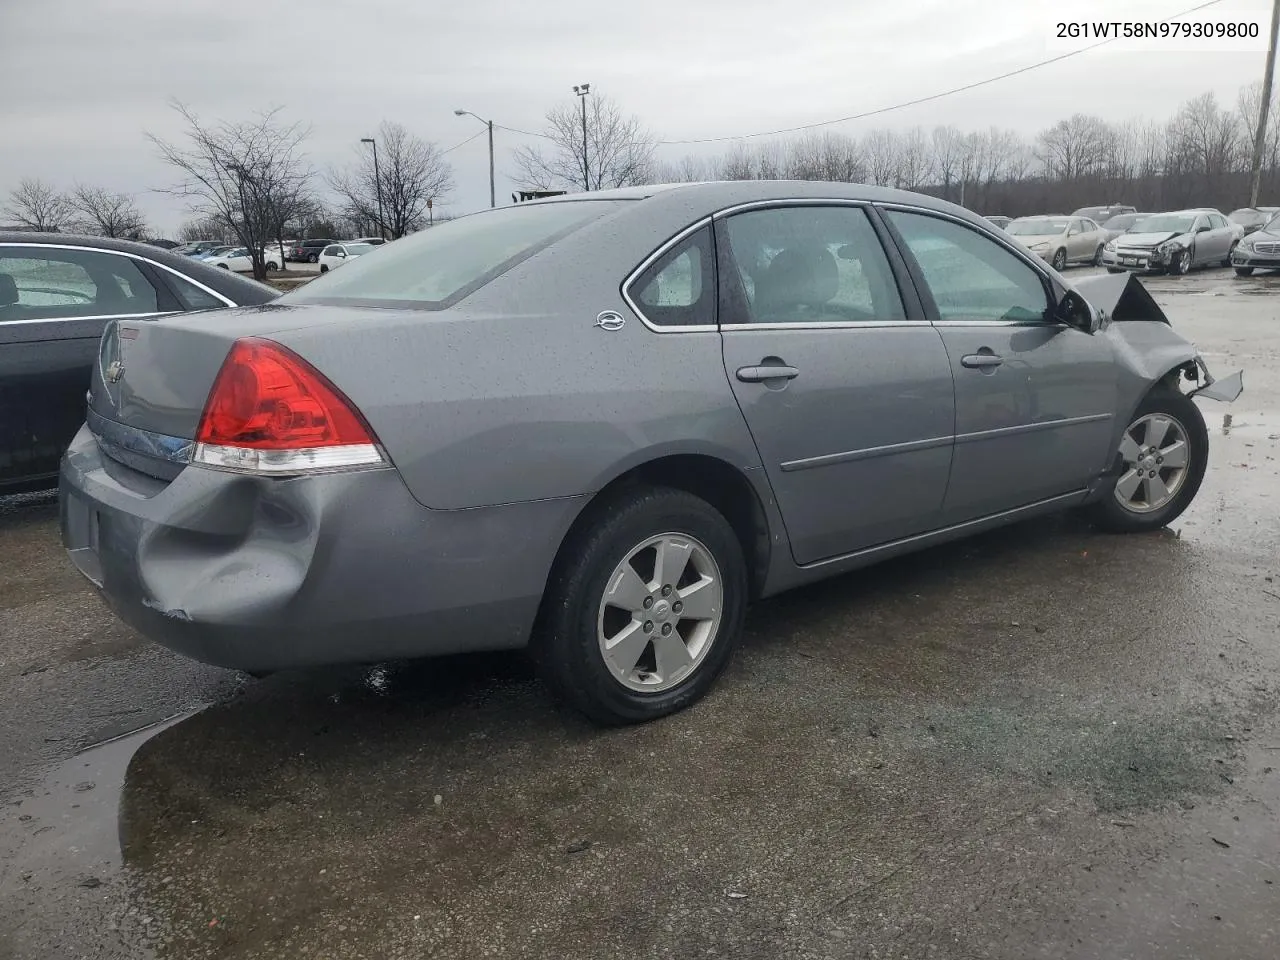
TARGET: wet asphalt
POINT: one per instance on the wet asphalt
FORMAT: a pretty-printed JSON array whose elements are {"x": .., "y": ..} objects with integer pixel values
[{"x": 1044, "y": 742}]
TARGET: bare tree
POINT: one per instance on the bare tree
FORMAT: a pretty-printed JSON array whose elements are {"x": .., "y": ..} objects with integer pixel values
[
  {"x": 1075, "y": 147},
  {"x": 1209, "y": 137},
  {"x": 915, "y": 160},
  {"x": 880, "y": 148},
  {"x": 946, "y": 155},
  {"x": 238, "y": 174},
  {"x": 619, "y": 150},
  {"x": 826, "y": 156},
  {"x": 204, "y": 228},
  {"x": 738, "y": 164},
  {"x": 106, "y": 213},
  {"x": 39, "y": 206},
  {"x": 413, "y": 174}
]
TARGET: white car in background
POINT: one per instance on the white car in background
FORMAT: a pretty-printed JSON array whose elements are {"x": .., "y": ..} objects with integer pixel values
[
  {"x": 336, "y": 254},
  {"x": 273, "y": 254},
  {"x": 236, "y": 259}
]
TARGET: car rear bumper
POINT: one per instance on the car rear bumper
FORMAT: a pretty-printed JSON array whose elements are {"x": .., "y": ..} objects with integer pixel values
[{"x": 267, "y": 574}]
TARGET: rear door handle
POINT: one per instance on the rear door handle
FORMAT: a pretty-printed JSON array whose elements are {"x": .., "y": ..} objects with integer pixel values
[
  {"x": 760, "y": 374},
  {"x": 977, "y": 361}
]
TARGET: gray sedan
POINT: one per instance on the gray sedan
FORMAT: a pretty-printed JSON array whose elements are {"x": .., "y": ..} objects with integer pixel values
[{"x": 602, "y": 425}]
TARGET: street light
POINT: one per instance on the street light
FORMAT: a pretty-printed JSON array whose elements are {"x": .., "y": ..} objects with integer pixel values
[
  {"x": 377, "y": 180},
  {"x": 493, "y": 201},
  {"x": 582, "y": 90}
]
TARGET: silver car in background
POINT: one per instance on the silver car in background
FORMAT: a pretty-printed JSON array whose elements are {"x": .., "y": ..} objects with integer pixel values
[
  {"x": 1174, "y": 242},
  {"x": 601, "y": 425},
  {"x": 1060, "y": 240}
]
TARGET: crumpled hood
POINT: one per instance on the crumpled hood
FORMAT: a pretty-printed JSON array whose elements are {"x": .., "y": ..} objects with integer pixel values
[{"x": 1144, "y": 241}]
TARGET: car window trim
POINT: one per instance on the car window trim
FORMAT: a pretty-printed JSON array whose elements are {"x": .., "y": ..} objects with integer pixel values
[
  {"x": 119, "y": 253},
  {"x": 926, "y": 295},
  {"x": 912, "y": 306},
  {"x": 662, "y": 250}
]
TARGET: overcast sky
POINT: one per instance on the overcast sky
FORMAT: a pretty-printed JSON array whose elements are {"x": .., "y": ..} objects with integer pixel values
[{"x": 84, "y": 79}]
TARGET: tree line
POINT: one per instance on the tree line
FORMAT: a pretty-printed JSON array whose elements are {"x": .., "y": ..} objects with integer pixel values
[
  {"x": 1200, "y": 156},
  {"x": 250, "y": 182}
]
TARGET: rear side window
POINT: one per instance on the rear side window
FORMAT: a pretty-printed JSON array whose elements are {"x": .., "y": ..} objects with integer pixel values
[
  {"x": 437, "y": 267},
  {"x": 807, "y": 264},
  {"x": 48, "y": 283},
  {"x": 677, "y": 289},
  {"x": 192, "y": 297}
]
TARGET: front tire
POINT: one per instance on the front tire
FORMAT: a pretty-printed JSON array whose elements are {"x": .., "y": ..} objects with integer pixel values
[
  {"x": 644, "y": 607},
  {"x": 1181, "y": 263},
  {"x": 1226, "y": 261},
  {"x": 324, "y": 268},
  {"x": 1114, "y": 270},
  {"x": 1097, "y": 256},
  {"x": 224, "y": 266},
  {"x": 1163, "y": 452},
  {"x": 1244, "y": 271},
  {"x": 313, "y": 258},
  {"x": 272, "y": 265},
  {"x": 1060, "y": 260}
]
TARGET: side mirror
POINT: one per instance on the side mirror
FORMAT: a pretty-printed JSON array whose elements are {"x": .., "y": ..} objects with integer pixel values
[
  {"x": 1075, "y": 311},
  {"x": 1203, "y": 228}
]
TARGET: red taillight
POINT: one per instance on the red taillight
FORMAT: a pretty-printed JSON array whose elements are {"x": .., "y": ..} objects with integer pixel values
[{"x": 272, "y": 412}]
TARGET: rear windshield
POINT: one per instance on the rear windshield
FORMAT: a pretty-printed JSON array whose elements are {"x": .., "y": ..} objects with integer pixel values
[{"x": 437, "y": 267}]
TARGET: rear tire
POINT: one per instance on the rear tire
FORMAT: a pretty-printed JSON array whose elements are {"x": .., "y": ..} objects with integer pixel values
[
  {"x": 313, "y": 258},
  {"x": 272, "y": 265},
  {"x": 224, "y": 266},
  {"x": 1134, "y": 505},
  {"x": 601, "y": 647}
]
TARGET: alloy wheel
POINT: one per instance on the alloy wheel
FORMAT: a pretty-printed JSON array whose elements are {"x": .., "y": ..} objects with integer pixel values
[
  {"x": 1060, "y": 260},
  {"x": 660, "y": 613},
  {"x": 1156, "y": 452}
]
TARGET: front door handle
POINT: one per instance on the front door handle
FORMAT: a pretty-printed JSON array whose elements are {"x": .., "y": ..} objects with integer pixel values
[
  {"x": 979, "y": 361},
  {"x": 765, "y": 372}
]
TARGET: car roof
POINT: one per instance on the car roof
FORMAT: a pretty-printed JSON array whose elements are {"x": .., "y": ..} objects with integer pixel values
[
  {"x": 717, "y": 194},
  {"x": 240, "y": 289}
]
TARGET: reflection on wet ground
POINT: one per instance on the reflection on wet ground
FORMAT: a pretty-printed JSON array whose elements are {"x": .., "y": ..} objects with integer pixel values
[{"x": 1044, "y": 742}]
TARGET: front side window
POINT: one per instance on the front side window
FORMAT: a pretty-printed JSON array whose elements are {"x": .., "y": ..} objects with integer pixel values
[
  {"x": 435, "y": 268},
  {"x": 971, "y": 276},
  {"x": 46, "y": 283},
  {"x": 808, "y": 264},
  {"x": 677, "y": 289}
]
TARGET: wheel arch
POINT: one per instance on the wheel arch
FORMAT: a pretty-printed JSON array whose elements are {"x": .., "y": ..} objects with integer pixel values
[{"x": 712, "y": 478}]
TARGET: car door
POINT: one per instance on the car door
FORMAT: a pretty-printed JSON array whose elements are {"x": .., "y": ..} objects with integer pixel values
[
  {"x": 1035, "y": 398},
  {"x": 1223, "y": 236},
  {"x": 54, "y": 303},
  {"x": 1093, "y": 237},
  {"x": 1075, "y": 240},
  {"x": 845, "y": 386}
]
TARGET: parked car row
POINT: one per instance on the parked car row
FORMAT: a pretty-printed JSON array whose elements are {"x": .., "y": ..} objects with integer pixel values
[{"x": 1121, "y": 238}]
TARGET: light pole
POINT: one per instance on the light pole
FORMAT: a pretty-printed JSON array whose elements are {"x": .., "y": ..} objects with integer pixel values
[
  {"x": 377, "y": 180},
  {"x": 582, "y": 90},
  {"x": 493, "y": 200}
]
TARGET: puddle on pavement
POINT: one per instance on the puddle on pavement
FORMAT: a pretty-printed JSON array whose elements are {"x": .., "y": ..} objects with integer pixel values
[{"x": 61, "y": 873}]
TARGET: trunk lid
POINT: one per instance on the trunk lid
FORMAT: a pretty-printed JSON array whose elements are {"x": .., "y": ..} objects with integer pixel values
[{"x": 152, "y": 378}]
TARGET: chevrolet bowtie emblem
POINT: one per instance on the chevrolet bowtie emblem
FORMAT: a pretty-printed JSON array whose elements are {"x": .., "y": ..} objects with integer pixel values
[{"x": 115, "y": 370}]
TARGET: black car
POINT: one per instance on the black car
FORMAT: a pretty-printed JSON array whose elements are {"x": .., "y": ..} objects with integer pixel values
[
  {"x": 307, "y": 251},
  {"x": 57, "y": 294}
]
